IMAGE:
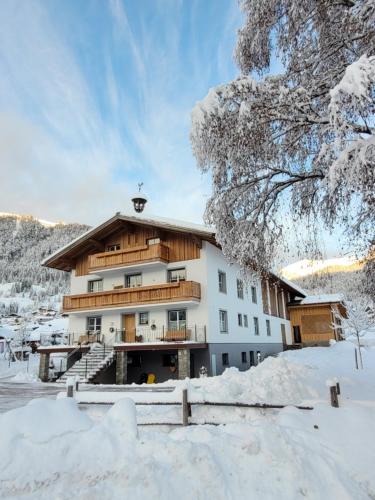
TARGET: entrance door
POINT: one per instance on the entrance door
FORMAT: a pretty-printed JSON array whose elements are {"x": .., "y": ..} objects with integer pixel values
[
  {"x": 128, "y": 323},
  {"x": 297, "y": 334}
]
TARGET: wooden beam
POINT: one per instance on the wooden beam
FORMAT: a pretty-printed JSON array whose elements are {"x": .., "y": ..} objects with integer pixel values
[{"x": 97, "y": 244}]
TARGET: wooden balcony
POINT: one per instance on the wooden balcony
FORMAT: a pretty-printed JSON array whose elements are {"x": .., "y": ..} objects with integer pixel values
[
  {"x": 129, "y": 256},
  {"x": 128, "y": 297}
]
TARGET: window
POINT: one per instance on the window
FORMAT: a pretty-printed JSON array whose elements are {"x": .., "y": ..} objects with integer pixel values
[
  {"x": 153, "y": 241},
  {"x": 133, "y": 280},
  {"x": 268, "y": 327},
  {"x": 245, "y": 322},
  {"x": 223, "y": 316},
  {"x": 113, "y": 248},
  {"x": 239, "y": 289},
  {"x": 244, "y": 357},
  {"x": 94, "y": 324},
  {"x": 222, "y": 282},
  {"x": 143, "y": 318},
  {"x": 175, "y": 275},
  {"x": 239, "y": 319},
  {"x": 259, "y": 357},
  {"x": 95, "y": 286},
  {"x": 252, "y": 358},
  {"x": 256, "y": 326},
  {"x": 177, "y": 319},
  {"x": 225, "y": 359},
  {"x": 254, "y": 294}
]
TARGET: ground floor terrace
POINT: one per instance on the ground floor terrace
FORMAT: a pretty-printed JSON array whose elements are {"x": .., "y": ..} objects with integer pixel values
[{"x": 159, "y": 361}]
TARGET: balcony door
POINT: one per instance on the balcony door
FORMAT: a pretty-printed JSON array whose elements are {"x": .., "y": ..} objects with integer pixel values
[
  {"x": 128, "y": 325},
  {"x": 177, "y": 319}
]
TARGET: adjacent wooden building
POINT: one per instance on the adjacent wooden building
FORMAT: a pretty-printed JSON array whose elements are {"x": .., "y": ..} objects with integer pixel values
[{"x": 312, "y": 320}]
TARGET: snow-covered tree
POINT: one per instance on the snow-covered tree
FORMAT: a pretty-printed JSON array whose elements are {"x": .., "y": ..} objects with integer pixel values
[
  {"x": 295, "y": 146},
  {"x": 358, "y": 318}
]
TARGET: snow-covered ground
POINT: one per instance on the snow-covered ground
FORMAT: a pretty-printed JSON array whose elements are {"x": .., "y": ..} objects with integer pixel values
[
  {"x": 52, "y": 449},
  {"x": 20, "y": 371}
]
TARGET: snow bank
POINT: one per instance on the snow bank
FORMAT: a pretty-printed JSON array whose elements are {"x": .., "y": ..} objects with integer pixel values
[
  {"x": 20, "y": 371},
  {"x": 49, "y": 449}
]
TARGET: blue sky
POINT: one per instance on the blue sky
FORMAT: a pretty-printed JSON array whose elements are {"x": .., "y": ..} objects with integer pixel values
[{"x": 96, "y": 95}]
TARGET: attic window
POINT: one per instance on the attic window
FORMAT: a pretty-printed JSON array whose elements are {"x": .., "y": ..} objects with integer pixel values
[
  {"x": 113, "y": 248},
  {"x": 153, "y": 241}
]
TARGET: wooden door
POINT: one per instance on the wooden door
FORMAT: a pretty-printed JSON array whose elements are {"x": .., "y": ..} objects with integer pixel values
[{"x": 128, "y": 323}]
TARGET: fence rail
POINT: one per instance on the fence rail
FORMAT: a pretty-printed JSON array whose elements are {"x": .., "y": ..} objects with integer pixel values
[{"x": 186, "y": 407}]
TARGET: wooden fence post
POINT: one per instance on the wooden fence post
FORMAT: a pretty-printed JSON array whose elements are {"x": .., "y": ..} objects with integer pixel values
[
  {"x": 185, "y": 408},
  {"x": 334, "y": 398}
]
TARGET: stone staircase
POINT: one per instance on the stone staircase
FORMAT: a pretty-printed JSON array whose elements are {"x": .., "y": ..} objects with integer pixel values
[{"x": 90, "y": 365}]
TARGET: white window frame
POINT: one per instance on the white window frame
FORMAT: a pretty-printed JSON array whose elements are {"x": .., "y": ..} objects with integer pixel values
[
  {"x": 114, "y": 247},
  {"x": 256, "y": 326},
  {"x": 142, "y": 323},
  {"x": 222, "y": 278},
  {"x": 240, "y": 287},
  {"x": 90, "y": 284},
  {"x": 223, "y": 321},
  {"x": 179, "y": 278},
  {"x": 153, "y": 241},
  {"x": 181, "y": 324},
  {"x": 254, "y": 297},
  {"x": 95, "y": 329},
  {"x": 268, "y": 327},
  {"x": 130, "y": 275}
]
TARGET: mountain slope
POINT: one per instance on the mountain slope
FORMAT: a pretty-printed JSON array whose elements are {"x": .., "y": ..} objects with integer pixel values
[
  {"x": 24, "y": 243},
  {"x": 307, "y": 267}
]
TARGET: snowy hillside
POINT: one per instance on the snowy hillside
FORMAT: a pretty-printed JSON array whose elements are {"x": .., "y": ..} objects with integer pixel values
[
  {"x": 340, "y": 275},
  {"x": 24, "y": 243},
  {"x": 308, "y": 267}
]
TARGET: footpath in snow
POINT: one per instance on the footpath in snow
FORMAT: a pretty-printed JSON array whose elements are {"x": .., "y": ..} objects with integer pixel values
[{"x": 52, "y": 449}]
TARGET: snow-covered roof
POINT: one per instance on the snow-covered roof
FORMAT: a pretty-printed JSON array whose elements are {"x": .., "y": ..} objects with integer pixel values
[
  {"x": 332, "y": 298},
  {"x": 6, "y": 333},
  {"x": 205, "y": 232},
  {"x": 297, "y": 288}
]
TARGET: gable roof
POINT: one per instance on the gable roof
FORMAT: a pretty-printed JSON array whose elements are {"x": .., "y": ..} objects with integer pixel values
[
  {"x": 62, "y": 258},
  {"x": 88, "y": 240}
]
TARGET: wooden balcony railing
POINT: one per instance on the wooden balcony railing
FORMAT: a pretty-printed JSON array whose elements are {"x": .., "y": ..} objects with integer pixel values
[
  {"x": 129, "y": 256},
  {"x": 126, "y": 297}
]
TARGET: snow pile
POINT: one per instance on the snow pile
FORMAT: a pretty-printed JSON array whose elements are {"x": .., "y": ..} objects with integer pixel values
[
  {"x": 20, "y": 371},
  {"x": 51, "y": 449},
  {"x": 275, "y": 380}
]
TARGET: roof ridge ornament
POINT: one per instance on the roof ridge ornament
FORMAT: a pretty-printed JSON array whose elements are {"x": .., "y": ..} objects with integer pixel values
[{"x": 139, "y": 200}]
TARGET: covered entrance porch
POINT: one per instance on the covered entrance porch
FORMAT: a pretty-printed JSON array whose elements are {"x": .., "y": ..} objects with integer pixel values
[{"x": 140, "y": 363}]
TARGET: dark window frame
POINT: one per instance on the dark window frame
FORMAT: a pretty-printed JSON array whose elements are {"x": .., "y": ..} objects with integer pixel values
[{"x": 225, "y": 358}]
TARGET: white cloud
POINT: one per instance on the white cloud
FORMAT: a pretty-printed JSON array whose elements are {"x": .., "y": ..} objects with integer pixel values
[{"x": 60, "y": 159}]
